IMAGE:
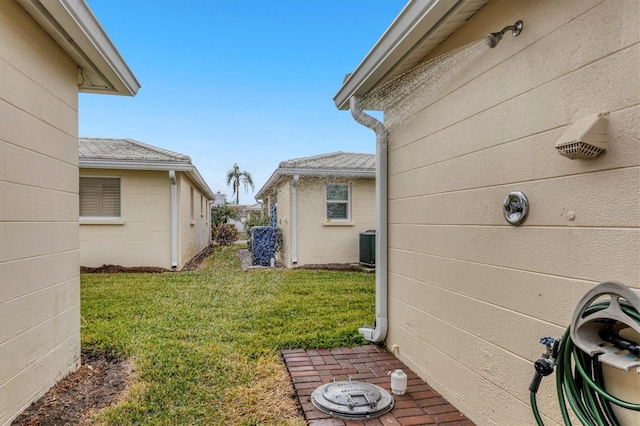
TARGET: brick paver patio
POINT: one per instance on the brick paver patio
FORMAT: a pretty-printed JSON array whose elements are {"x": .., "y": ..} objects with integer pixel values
[{"x": 421, "y": 405}]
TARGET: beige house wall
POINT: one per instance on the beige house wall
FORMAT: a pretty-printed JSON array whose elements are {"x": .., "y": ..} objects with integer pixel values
[
  {"x": 320, "y": 241},
  {"x": 39, "y": 273},
  {"x": 284, "y": 215},
  {"x": 470, "y": 295},
  {"x": 194, "y": 217},
  {"x": 143, "y": 237}
]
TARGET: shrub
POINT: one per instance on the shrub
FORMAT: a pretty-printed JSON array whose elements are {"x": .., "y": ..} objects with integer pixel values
[
  {"x": 224, "y": 234},
  {"x": 223, "y": 214}
]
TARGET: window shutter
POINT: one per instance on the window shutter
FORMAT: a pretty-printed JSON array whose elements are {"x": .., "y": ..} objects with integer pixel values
[
  {"x": 110, "y": 197},
  {"x": 99, "y": 197},
  {"x": 89, "y": 197}
]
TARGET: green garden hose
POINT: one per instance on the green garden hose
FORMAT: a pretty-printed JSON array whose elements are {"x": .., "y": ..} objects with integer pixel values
[{"x": 580, "y": 384}]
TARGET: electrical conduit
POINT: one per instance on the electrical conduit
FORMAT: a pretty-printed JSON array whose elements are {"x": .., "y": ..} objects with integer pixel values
[{"x": 378, "y": 332}]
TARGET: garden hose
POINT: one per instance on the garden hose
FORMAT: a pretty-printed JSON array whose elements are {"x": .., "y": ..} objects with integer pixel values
[{"x": 580, "y": 384}]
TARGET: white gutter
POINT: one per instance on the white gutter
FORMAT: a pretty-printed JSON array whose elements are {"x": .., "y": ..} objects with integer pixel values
[
  {"x": 74, "y": 27},
  {"x": 294, "y": 219},
  {"x": 378, "y": 332},
  {"x": 278, "y": 173},
  {"x": 188, "y": 168},
  {"x": 417, "y": 30},
  {"x": 174, "y": 219}
]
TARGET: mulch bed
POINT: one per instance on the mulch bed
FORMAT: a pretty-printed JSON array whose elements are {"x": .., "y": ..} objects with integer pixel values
[
  {"x": 192, "y": 265},
  {"x": 98, "y": 383}
]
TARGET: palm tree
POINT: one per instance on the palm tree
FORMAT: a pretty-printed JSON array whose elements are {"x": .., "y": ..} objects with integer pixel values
[{"x": 236, "y": 177}]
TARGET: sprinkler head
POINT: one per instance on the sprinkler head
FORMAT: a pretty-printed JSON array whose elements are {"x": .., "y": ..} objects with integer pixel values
[{"x": 494, "y": 38}]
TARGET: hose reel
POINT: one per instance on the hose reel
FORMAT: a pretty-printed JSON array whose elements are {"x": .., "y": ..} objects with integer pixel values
[{"x": 597, "y": 335}]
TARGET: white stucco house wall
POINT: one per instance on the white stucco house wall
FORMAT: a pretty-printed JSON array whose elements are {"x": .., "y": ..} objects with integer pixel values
[
  {"x": 49, "y": 51},
  {"x": 464, "y": 296},
  {"x": 323, "y": 203},
  {"x": 140, "y": 205}
]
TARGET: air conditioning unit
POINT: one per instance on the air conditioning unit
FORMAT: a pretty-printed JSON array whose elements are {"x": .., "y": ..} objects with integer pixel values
[{"x": 368, "y": 248}]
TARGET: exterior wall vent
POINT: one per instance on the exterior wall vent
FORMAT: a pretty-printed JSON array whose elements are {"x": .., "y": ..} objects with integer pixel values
[{"x": 585, "y": 138}]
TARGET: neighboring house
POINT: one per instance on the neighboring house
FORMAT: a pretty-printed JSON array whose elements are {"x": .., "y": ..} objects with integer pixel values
[
  {"x": 323, "y": 203},
  {"x": 244, "y": 212},
  {"x": 49, "y": 50},
  {"x": 140, "y": 205},
  {"x": 465, "y": 296}
]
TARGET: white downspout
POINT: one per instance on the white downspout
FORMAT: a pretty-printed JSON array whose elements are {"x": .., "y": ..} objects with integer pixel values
[
  {"x": 294, "y": 219},
  {"x": 174, "y": 219},
  {"x": 378, "y": 332}
]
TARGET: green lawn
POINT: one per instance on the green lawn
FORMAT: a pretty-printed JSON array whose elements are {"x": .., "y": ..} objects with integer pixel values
[{"x": 205, "y": 344}]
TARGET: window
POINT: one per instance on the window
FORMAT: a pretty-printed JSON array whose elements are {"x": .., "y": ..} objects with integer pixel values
[
  {"x": 337, "y": 202},
  {"x": 99, "y": 197},
  {"x": 192, "y": 205}
]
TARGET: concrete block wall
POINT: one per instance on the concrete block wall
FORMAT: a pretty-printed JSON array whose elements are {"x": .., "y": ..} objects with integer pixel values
[
  {"x": 39, "y": 270},
  {"x": 470, "y": 295}
]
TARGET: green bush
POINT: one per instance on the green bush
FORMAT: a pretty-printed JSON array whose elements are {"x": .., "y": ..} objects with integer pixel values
[
  {"x": 222, "y": 214},
  {"x": 225, "y": 234}
]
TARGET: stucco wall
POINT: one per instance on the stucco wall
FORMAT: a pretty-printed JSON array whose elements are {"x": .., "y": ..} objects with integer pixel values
[
  {"x": 144, "y": 236},
  {"x": 322, "y": 242},
  {"x": 470, "y": 295},
  {"x": 39, "y": 277},
  {"x": 194, "y": 229},
  {"x": 283, "y": 214}
]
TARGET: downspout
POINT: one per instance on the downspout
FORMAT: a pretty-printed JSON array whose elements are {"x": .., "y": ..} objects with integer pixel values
[
  {"x": 174, "y": 219},
  {"x": 294, "y": 219},
  {"x": 378, "y": 332}
]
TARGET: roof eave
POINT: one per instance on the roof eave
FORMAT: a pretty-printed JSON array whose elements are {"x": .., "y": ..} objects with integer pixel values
[
  {"x": 280, "y": 173},
  {"x": 77, "y": 31},
  {"x": 189, "y": 169},
  {"x": 417, "y": 21}
]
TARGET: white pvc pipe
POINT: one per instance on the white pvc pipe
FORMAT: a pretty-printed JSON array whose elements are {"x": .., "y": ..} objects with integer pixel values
[
  {"x": 294, "y": 219},
  {"x": 174, "y": 219},
  {"x": 378, "y": 332}
]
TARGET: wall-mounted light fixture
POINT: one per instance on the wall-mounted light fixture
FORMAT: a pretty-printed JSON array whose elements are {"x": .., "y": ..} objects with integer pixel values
[{"x": 585, "y": 138}]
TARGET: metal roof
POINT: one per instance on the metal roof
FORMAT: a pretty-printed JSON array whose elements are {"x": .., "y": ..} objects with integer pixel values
[
  {"x": 338, "y": 164},
  {"x": 130, "y": 154},
  {"x": 417, "y": 30}
]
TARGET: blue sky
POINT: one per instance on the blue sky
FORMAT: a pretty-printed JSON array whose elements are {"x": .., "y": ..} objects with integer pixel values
[{"x": 237, "y": 81}]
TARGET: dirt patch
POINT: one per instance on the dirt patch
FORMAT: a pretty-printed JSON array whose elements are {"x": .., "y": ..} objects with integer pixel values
[
  {"x": 193, "y": 264},
  {"x": 114, "y": 269},
  {"x": 98, "y": 383},
  {"x": 337, "y": 267},
  {"x": 197, "y": 260}
]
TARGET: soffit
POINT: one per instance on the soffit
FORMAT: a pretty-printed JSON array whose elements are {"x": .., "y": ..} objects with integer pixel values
[
  {"x": 72, "y": 25},
  {"x": 419, "y": 28}
]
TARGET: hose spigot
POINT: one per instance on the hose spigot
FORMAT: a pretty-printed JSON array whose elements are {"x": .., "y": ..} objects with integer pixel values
[{"x": 544, "y": 366}]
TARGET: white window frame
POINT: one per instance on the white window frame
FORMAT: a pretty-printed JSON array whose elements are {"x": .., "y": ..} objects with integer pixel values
[
  {"x": 347, "y": 202},
  {"x": 96, "y": 220}
]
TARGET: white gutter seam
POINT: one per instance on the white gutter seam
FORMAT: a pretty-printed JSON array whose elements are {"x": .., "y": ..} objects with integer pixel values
[
  {"x": 174, "y": 219},
  {"x": 378, "y": 332},
  {"x": 294, "y": 219}
]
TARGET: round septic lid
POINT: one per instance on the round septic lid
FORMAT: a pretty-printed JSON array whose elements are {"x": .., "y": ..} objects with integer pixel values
[{"x": 350, "y": 399}]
